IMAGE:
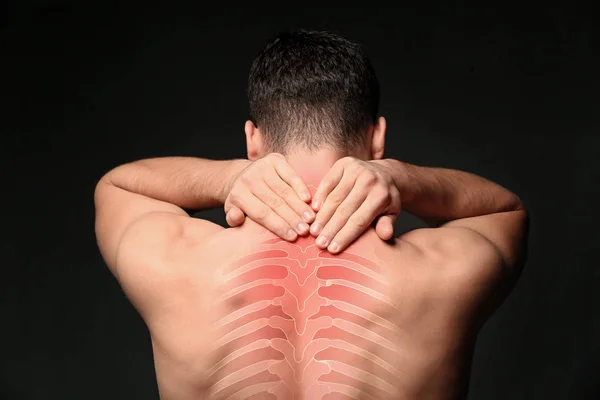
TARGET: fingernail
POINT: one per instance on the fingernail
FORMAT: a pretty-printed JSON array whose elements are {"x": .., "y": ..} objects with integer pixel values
[
  {"x": 291, "y": 235},
  {"x": 302, "y": 228},
  {"x": 316, "y": 204},
  {"x": 315, "y": 228},
  {"x": 334, "y": 247},
  {"x": 305, "y": 196},
  {"x": 307, "y": 216},
  {"x": 322, "y": 241}
]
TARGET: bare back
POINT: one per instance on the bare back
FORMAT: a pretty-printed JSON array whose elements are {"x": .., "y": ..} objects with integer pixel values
[{"x": 247, "y": 315}]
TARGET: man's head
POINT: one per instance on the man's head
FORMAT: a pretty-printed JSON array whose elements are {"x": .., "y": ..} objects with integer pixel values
[{"x": 310, "y": 91}]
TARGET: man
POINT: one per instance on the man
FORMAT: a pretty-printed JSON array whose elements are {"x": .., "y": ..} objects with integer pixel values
[{"x": 302, "y": 299}]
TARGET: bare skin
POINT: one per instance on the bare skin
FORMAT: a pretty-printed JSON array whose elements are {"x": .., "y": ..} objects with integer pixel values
[{"x": 430, "y": 292}]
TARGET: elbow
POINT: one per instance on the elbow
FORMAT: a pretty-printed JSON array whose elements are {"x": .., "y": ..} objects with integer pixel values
[
  {"x": 516, "y": 204},
  {"x": 525, "y": 220},
  {"x": 522, "y": 245},
  {"x": 100, "y": 191},
  {"x": 523, "y": 213}
]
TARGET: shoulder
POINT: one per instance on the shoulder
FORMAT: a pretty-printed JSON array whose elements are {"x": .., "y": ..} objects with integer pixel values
[
  {"x": 159, "y": 236},
  {"x": 465, "y": 271},
  {"x": 156, "y": 251},
  {"x": 461, "y": 259},
  {"x": 453, "y": 245}
]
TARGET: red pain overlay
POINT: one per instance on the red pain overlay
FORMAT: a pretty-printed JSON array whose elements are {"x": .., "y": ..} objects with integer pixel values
[{"x": 302, "y": 323}]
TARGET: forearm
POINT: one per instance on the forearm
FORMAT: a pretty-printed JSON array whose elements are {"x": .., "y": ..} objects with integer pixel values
[
  {"x": 187, "y": 182},
  {"x": 439, "y": 195}
]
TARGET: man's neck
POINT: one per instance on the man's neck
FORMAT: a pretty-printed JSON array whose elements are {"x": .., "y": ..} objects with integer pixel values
[{"x": 312, "y": 166}]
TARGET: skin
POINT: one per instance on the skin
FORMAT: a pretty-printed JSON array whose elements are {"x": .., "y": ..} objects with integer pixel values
[{"x": 444, "y": 281}]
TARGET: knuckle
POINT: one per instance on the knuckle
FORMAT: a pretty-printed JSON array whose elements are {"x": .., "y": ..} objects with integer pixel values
[
  {"x": 345, "y": 210},
  {"x": 335, "y": 198},
  {"x": 334, "y": 201},
  {"x": 385, "y": 196},
  {"x": 381, "y": 194},
  {"x": 380, "y": 177},
  {"x": 263, "y": 214},
  {"x": 356, "y": 167},
  {"x": 245, "y": 179},
  {"x": 369, "y": 178},
  {"x": 275, "y": 202},
  {"x": 234, "y": 197},
  {"x": 285, "y": 191},
  {"x": 359, "y": 221}
]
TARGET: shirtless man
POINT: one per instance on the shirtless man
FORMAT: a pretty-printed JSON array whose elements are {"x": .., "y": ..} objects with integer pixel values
[{"x": 302, "y": 299}]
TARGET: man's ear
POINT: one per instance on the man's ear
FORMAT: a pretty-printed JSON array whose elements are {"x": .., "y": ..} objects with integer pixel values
[
  {"x": 254, "y": 141},
  {"x": 378, "y": 139}
]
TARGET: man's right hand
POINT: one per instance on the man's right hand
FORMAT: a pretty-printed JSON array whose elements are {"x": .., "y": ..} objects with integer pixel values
[{"x": 271, "y": 193}]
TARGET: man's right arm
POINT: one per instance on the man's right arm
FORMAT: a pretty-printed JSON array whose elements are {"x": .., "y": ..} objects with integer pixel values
[
  {"x": 155, "y": 192},
  {"x": 158, "y": 190},
  {"x": 466, "y": 209},
  {"x": 471, "y": 217}
]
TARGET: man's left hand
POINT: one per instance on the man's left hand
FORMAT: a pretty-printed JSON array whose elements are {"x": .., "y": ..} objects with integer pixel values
[{"x": 349, "y": 198}]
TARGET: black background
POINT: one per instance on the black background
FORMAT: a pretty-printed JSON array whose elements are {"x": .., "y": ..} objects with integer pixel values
[{"x": 508, "y": 93}]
